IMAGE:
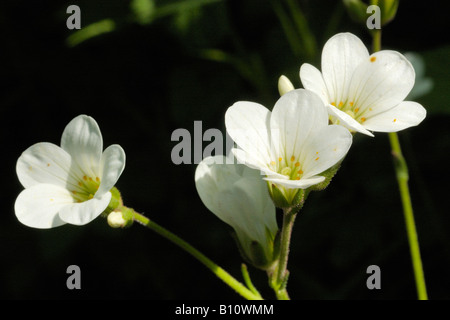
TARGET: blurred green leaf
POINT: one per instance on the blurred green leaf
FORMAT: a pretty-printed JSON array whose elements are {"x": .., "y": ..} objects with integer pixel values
[
  {"x": 143, "y": 10},
  {"x": 437, "y": 101},
  {"x": 90, "y": 31}
]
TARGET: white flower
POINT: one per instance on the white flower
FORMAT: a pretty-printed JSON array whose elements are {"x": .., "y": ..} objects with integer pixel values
[
  {"x": 238, "y": 196},
  {"x": 364, "y": 92},
  {"x": 292, "y": 145},
  {"x": 71, "y": 183}
]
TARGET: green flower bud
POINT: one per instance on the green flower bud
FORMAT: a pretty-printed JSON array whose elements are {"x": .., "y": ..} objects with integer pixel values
[
  {"x": 388, "y": 10},
  {"x": 357, "y": 10}
]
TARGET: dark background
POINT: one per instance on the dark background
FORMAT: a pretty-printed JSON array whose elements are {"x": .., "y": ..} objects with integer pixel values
[{"x": 154, "y": 74}]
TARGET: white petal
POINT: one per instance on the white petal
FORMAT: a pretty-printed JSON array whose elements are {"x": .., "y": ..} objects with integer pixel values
[
  {"x": 210, "y": 177},
  {"x": 238, "y": 196},
  {"x": 312, "y": 80},
  {"x": 297, "y": 184},
  {"x": 82, "y": 139},
  {"x": 297, "y": 116},
  {"x": 247, "y": 206},
  {"x": 45, "y": 163},
  {"x": 341, "y": 55},
  {"x": 247, "y": 123},
  {"x": 347, "y": 121},
  {"x": 84, "y": 212},
  {"x": 254, "y": 164},
  {"x": 38, "y": 206},
  {"x": 112, "y": 165},
  {"x": 381, "y": 82},
  {"x": 249, "y": 160},
  {"x": 325, "y": 149},
  {"x": 406, "y": 114}
]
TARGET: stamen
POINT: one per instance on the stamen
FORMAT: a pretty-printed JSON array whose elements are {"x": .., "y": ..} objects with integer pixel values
[
  {"x": 292, "y": 159},
  {"x": 363, "y": 119},
  {"x": 372, "y": 59},
  {"x": 297, "y": 164}
]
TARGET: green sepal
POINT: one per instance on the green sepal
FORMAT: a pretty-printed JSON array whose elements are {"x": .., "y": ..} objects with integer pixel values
[
  {"x": 127, "y": 215},
  {"x": 256, "y": 255},
  {"x": 114, "y": 203},
  {"x": 278, "y": 197},
  {"x": 285, "y": 198},
  {"x": 277, "y": 245},
  {"x": 328, "y": 174}
]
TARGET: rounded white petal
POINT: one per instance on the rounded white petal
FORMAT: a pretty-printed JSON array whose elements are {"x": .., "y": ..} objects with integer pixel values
[
  {"x": 39, "y": 205},
  {"x": 44, "y": 163},
  {"x": 381, "y": 82},
  {"x": 297, "y": 184},
  {"x": 406, "y": 114},
  {"x": 112, "y": 166},
  {"x": 347, "y": 121},
  {"x": 312, "y": 80},
  {"x": 341, "y": 55},
  {"x": 247, "y": 123},
  {"x": 296, "y": 116},
  {"x": 238, "y": 196},
  {"x": 82, "y": 139},
  {"x": 84, "y": 212},
  {"x": 325, "y": 149},
  {"x": 208, "y": 181}
]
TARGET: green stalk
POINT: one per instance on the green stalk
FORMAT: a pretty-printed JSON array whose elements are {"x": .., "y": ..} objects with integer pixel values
[
  {"x": 402, "y": 175},
  {"x": 218, "y": 271},
  {"x": 279, "y": 275}
]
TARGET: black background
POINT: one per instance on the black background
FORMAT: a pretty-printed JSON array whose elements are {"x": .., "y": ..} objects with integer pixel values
[{"x": 143, "y": 81}]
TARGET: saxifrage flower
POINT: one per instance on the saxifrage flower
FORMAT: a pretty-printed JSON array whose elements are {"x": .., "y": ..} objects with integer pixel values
[
  {"x": 364, "y": 92},
  {"x": 68, "y": 184},
  {"x": 292, "y": 145}
]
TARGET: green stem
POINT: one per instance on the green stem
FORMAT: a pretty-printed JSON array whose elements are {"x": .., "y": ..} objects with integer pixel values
[
  {"x": 402, "y": 175},
  {"x": 279, "y": 276},
  {"x": 247, "y": 280},
  {"x": 218, "y": 271},
  {"x": 402, "y": 179}
]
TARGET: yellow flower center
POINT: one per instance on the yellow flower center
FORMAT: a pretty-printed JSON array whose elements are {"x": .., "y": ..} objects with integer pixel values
[{"x": 86, "y": 188}]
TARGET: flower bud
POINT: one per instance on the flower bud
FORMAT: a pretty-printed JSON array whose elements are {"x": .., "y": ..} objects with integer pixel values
[
  {"x": 356, "y": 9},
  {"x": 119, "y": 219},
  {"x": 388, "y": 10},
  {"x": 284, "y": 85}
]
